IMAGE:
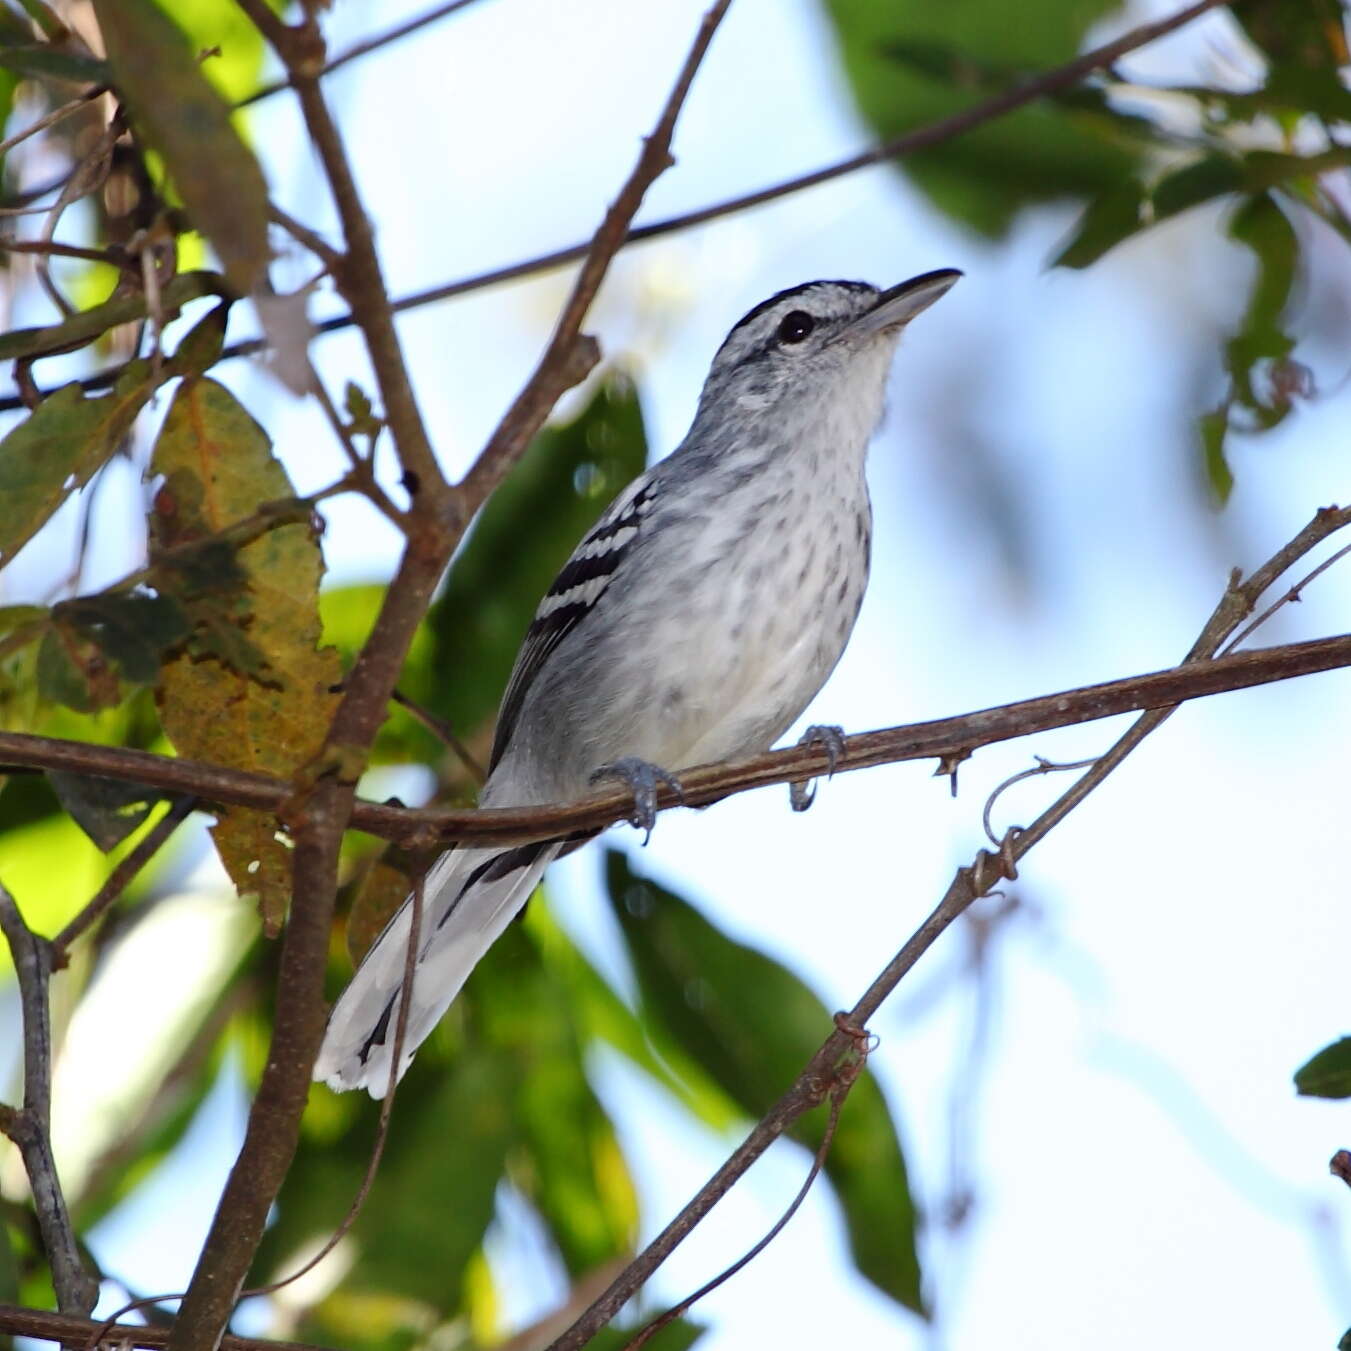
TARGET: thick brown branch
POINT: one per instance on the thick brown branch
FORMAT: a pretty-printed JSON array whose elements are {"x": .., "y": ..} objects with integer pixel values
[
  {"x": 942, "y": 738},
  {"x": 73, "y": 1331}
]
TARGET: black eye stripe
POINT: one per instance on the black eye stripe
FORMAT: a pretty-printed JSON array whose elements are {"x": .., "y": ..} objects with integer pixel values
[{"x": 795, "y": 326}]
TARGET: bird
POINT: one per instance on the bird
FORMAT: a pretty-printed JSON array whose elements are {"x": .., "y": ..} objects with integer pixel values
[{"x": 694, "y": 623}]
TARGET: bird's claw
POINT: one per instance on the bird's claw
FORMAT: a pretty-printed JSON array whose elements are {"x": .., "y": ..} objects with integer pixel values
[
  {"x": 642, "y": 779},
  {"x": 802, "y": 794}
]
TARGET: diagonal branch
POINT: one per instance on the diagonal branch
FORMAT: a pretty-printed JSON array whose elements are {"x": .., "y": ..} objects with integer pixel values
[
  {"x": 30, "y": 1126},
  {"x": 980, "y": 877},
  {"x": 120, "y": 878}
]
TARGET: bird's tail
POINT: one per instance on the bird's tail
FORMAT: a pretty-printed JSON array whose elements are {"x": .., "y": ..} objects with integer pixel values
[{"x": 469, "y": 897}]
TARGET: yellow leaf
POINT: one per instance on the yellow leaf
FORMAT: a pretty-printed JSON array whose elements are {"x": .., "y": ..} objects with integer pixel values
[{"x": 218, "y": 468}]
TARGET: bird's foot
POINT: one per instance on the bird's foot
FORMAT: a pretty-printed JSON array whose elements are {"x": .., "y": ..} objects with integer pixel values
[
  {"x": 802, "y": 794},
  {"x": 642, "y": 779}
]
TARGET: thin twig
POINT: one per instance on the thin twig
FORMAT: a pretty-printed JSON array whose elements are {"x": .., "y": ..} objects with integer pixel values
[
  {"x": 645, "y": 1334},
  {"x": 302, "y": 233},
  {"x": 1043, "y": 766},
  {"x": 1295, "y": 593},
  {"x": 362, "y": 472},
  {"x": 52, "y": 118},
  {"x": 120, "y": 878},
  {"x": 364, "y": 48},
  {"x": 30, "y": 1127},
  {"x": 444, "y": 732},
  {"x": 922, "y": 138},
  {"x": 115, "y": 256}
]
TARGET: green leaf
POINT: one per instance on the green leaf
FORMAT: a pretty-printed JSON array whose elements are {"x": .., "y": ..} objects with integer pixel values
[
  {"x": 82, "y": 328},
  {"x": 675, "y": 1336},
  {"x": 435, "y": 1196},
  {"x": 133, "y": 629},
  {"x": 181, "y": 115},
  {"x": 1214, "y": 427},
  {"x": 753, "y": 1026},
  {"x": 43, "y": 60},
  {"x": 1111, "y": 217},
  {"x": 9, "y": 1264},
  {"x": 608, "y": 1018},
  {"x": 1305, "y": 47},
  {"x": 1040, "y": 152},
  {"x": 59, "y": 447},
  {"x": 235, "y": 48},
  {"x": 1263, "y": 381},
  {"x": 72, "y": 670},
  {"x": 1126, "y": 208},
  {"x": 523, "y": 537},
  {"x": 52, "y": 868},
  {"x": 201, "y": 346},
  {"x": 105, "y": 809},
  {"x": 1327, "y": 1074},
  {"x": 1264, "y": 228},
  {"x": 1202, "y": 180},
  {"x": 567, "y": 1162}
]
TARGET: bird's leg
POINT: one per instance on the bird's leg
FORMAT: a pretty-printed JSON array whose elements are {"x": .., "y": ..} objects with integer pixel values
[
  {"x": 802, "y": 794},
  {"x": 642, "y": 778}
]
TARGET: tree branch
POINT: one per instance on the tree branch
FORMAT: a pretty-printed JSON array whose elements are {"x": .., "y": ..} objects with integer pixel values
[
  {"x": 319, "y": 804},
  {"x": 74, "y": 1331},
  {"x": 120, "y": 878},
  {"x": 357, "y": 272},
  {"x": 364, "y": 48},
  {"x": 922, "y": 138},
  {"x": 30, "y": 1126},
  {"x": 977, "y": 879},
  {"x": 943, "y": 738}
]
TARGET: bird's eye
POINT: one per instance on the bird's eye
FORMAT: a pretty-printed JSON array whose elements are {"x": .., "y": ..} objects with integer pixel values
[{"x": 795, "y": 326}]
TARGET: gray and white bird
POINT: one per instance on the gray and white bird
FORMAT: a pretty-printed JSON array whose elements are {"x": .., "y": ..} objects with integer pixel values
[{"x": 694, "y": 623}]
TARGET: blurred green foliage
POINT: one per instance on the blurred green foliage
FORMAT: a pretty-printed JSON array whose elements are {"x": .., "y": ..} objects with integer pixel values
[
  {"x": 909, "y": 65},
  {"x": 1132, "y": 162},
  {"x": 1327, "y": 1074}
]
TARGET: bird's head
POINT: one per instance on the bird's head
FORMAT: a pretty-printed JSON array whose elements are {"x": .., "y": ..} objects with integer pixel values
[{"x": 817, "y": 345}]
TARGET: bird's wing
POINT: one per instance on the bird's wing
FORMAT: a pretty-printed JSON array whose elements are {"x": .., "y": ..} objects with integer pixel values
[{"x": 581, "y": 583}]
